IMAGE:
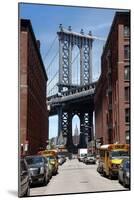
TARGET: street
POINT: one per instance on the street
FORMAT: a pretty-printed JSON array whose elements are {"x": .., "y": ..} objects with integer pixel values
[{"x": 76, "y": 177}]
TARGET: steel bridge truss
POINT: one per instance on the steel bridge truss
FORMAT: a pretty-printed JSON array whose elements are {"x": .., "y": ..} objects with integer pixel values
[
  {"x": 70, "y": 92},
  {"x": 67, "y": 39}
]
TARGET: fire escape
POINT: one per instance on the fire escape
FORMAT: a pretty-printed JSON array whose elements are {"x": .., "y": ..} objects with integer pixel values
[{"x": 109, "y": 96}]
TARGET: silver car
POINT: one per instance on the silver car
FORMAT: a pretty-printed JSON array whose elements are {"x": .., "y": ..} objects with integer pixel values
[
  {"x": 38, "y": 169},
  {"x": 124, "y": 173},
  {"x": 24, "y": 179}
]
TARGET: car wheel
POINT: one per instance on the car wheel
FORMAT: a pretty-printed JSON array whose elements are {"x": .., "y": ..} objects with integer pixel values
[
  {"x": 119, "y": 179},
  {"x": 110, "y": 176},
  {"x": 124, "y": 181},
  {"x": 27, "y": 192},
  {"x": 104, "y": 173},
  {"x": 97, "y": 169},
  {"x": 45, "y": 181}
]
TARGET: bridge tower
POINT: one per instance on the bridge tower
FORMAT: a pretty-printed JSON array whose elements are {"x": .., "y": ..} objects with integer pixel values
[{"x": 67, "y": 39}]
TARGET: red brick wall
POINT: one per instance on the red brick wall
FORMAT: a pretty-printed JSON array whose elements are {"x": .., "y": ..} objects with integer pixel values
[
  {"x": 115, "y": 44},
  {"x": 121, "y": 110},
  {"x": 23, "y": 87},
  {"x": 37, "y": 112},
  {"x": 33, "y": 115}
]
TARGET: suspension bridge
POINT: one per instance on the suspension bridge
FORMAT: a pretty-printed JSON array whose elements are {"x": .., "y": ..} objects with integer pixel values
[{"x": 70, "y": 87}]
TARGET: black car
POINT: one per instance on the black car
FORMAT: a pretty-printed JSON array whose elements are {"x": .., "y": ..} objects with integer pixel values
[
  {"x": 124, "y": 173},
  {"x": 38, "y": 169},
  {"x": 24, "y": 181}
]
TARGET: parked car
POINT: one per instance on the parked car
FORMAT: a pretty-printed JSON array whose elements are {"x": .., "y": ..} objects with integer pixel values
[
  {"x": 100, "y": 166},
  {"x": 54, "y": 163},
  {"x": 24, "y": 183},
  {"x": 61, "y": 159},
  {"x": 38, "y": 169},
  {"x": 90, "y": 159},
  {"x": 50, "y": 167},
  {"x": 53, "y": 159},
  {"x": 124, "y": 173}
]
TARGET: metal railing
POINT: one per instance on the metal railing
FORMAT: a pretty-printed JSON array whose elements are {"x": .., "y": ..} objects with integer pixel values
[{"x": 72, "y": 94}]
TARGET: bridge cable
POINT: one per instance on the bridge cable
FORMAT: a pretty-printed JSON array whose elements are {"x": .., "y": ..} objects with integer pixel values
[
  {"x": 51, "y": 90},
  {"x": 50, "y": 47},
  {"x": 58, "y": 70},
  {"x": 77, "y": 71},
  {"x": 52, "y": 78},
  {"x": 77, "y": 64},
  {"x": 76, "y": 57},
  {"x": 52, "y": 60}
]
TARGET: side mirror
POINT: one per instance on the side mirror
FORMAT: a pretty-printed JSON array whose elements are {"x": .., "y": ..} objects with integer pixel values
[{"x": 121, "y": 167}]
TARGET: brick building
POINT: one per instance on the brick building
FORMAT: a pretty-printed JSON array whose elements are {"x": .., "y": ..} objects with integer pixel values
[
  {"x": 33, "y": 80},
  {"x": 112, "y": 94}
]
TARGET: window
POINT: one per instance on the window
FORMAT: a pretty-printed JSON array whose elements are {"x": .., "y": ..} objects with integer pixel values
[
  {"x": 126, "y": 31},
  {"x": 127, "y": 73},
  {"x": 110, "y": 98},
  {"x": 127, "y": 93},
  {"x": 126, "y": 52},
  {"x": 127, "y": 115},
  {"x": 118, "y": 153}
]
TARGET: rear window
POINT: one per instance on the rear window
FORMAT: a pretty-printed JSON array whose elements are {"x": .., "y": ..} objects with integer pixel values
[
  {"x": 83, "y": 155},
  {"x": 34, "y": 160}
]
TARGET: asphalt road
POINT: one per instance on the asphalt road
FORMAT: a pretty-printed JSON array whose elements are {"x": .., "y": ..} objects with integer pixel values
[{"x": 76, "y": 177}]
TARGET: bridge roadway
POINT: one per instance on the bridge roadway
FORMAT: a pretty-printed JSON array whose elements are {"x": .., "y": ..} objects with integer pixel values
[
  {"x": 75, "y": 98},
  {"x": 76, "y": 177}
]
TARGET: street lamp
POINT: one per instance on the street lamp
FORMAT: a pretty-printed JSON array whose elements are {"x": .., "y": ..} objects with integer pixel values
[{"x": 48, "y": 147}]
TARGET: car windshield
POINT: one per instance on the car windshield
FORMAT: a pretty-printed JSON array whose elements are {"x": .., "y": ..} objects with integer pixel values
[
  {"x": 34, "y": 160},
  {"x": 83, "y": 155},
  {"x": 117, "y": 154}
]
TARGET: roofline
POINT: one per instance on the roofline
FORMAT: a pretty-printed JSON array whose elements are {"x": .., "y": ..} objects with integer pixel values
[
  {"x": 73, "y": 33},
  {"x": 27, "y": 24},
  {"x": 118, "y": 13}
]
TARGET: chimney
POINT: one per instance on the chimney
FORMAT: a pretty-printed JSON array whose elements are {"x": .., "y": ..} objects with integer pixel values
[{"x": 38, "y": 44}]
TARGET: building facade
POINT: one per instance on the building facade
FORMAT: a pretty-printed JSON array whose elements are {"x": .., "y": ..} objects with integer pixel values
[
  {"x": 33, "y": 80},
  {"x": 112, "y": 110},
  {"x": 76, "y": 136}
]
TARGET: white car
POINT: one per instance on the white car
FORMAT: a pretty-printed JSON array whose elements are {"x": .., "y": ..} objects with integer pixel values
[{"x": 90, "y": 159}]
